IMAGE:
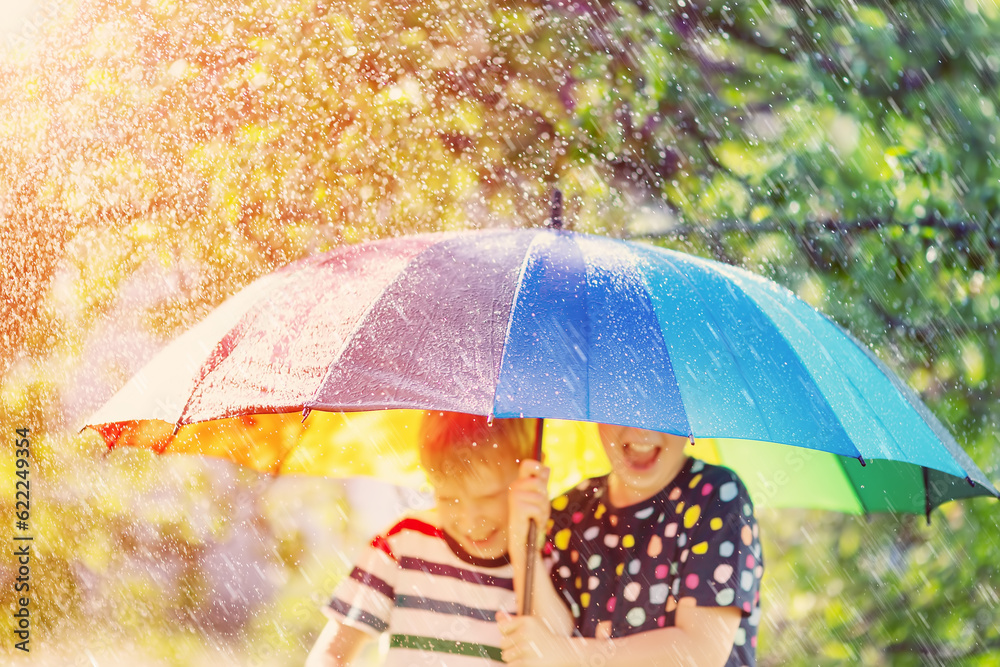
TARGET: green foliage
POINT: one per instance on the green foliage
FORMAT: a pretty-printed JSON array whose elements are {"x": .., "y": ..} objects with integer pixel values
[{"x": 157, "y": 155}]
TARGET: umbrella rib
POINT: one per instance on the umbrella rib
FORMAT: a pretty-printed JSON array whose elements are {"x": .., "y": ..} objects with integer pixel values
[
  {"x": 694, "y": 290},
  {"x": 947, "y": 440},
  {"x": 958, "y": 457},
  {"x": 368, "y": 311},
  {"x": 850, "y": 382},
  {"x": 659, "y": 330},
  {"x": 274, "y": 282},
  {"x": 927, "y": 494},
  {"x": 845, "y": 378},
  {"x": 842, "y": 462},
  {"x": 510, "y": 317},
  {"x": 802, "y": 326},
  {"x": 886, "y": 373}
]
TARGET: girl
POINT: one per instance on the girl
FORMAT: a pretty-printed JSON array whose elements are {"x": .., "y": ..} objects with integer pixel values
[{"x": 658, "y": 562}]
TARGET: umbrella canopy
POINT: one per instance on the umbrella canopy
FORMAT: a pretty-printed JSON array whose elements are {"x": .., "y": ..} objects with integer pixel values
[{"x": 556, "y": 324}]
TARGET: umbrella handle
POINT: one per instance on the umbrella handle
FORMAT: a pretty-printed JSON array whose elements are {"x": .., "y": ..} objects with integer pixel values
[
  {"x": 532, "y": 555},
  {"x": 529, "y": 569}
]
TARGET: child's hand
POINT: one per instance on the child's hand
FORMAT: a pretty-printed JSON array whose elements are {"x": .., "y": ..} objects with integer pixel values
[
  {"x": 528, "y": 641},
  {"x": 528, "y": 499}
]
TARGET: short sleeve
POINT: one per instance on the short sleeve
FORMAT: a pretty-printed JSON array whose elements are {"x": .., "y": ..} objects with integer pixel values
[
  {"x": 721, "y": 564},
  {"x": 366, "y": 598}
]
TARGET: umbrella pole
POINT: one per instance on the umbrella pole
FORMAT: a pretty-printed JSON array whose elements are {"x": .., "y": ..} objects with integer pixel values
[{"x": 532, "y": 555}]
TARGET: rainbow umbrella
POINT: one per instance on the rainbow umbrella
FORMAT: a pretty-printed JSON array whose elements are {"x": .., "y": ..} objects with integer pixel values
[{"x": 541, "y": 323}]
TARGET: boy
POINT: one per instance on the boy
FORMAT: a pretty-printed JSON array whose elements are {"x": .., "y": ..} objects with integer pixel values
[{"x": 436, "y": 579}]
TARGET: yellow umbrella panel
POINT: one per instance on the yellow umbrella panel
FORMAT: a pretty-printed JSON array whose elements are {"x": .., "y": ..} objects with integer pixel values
[{"x": 383, "y": 444}]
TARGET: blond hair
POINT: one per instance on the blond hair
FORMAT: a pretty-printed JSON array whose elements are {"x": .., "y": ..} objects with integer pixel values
[{"x": 453, "y": 442}]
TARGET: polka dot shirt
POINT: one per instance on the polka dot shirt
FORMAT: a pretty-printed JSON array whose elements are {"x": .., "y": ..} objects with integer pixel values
[{"x": 623, "y": 570}]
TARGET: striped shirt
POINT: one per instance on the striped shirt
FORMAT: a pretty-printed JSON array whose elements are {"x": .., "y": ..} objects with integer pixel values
[{"x": 437, "y": 602}]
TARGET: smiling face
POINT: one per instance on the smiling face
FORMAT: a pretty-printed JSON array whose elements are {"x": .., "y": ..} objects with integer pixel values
[
  {"x": 642, "y": 462},
  {"x": 471, "y": 462},
  {"x": 472, "y": 505}
]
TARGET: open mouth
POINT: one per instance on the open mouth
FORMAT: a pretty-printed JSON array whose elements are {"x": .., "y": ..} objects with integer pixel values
[{"x": 641, "y": 456}]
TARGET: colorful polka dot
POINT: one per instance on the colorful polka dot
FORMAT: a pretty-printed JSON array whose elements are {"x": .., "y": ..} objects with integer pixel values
[
  {"x": 559, "y": 504},
  {"x": 632, "y": 590},
  {"x": 577, "y": 517},
  {"x": 654, "y": 547},
  {"x": 645, "y": 513},
  {"x": 636, "y": 616},
  {"x": 593, "y": 583},
  {"x": 591, "y": 533},
  {"x": 694, "y": 481},
  {"x": 728, "y": 491},
  {"x": 661, "y": 621},
  {"x": 661, "y": 571},
  {"x": 562, "y": 539},
  {"x": 601, "y": 509},
  {"x": 746, "y": 580},
  {"x": 698, "y": 465},
  {"x": 746, "y": 535},
  {"x": 594, "y": 562},
  {"x": 620, "y": 569},
  {"x": 613, "y": 520},
  {"x": 584, "y": 600},
  {"x": 700, "y": 548},
  {"x": 634, "y": 566},
  {"x": 715, "y": 523},
  {"x": 750, "y": 561},
  {"x": 726, "y": 549},
  {"x": 628, "y": 541},
  {"x": 564, "y": 572},
  {"x": 725, "y": 597},
  {"x": 658, "y": 593},
  {"x": 611, "y": 540},
  {"x": 691, "y": 516},
  {"x": 684, "y": 556},
  {"x": 675, "y": 494},
  {"x": 691, "y": 581},
  {"x": 723, "y": 573},
  {"x": 670, "y": 530},
  {"x": 741, "y": 637},
  {"x": 680, "y": 507},
  {"x": 682, "y": 539},
  {"x": 611, "y": 604},
  {"x": 707, "y": 489}
]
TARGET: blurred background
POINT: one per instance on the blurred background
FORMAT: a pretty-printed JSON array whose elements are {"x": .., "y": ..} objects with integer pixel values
[{"x": 157, "y": 155}]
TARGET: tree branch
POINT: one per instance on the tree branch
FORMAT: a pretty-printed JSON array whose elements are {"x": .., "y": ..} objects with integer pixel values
[{"x": 959, "y": 228}]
